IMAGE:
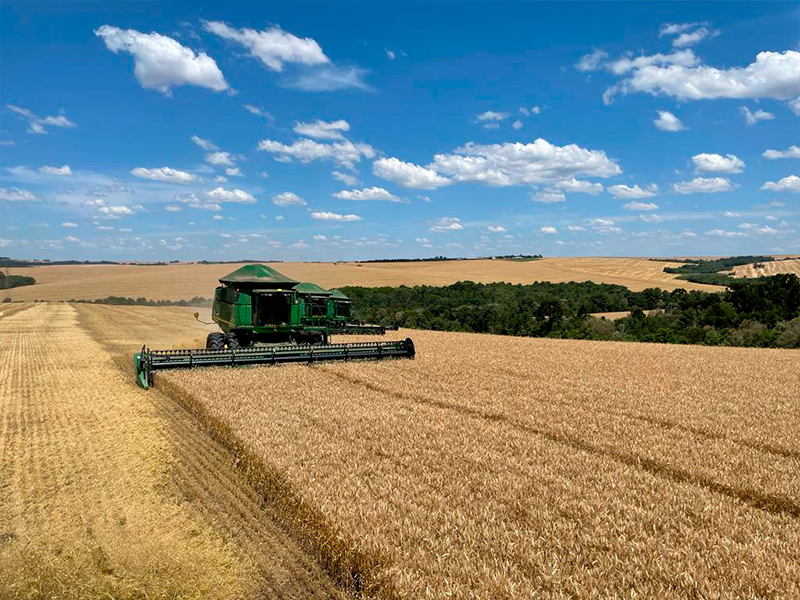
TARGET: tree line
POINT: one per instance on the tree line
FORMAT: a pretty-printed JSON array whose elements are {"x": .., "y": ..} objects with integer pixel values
[{"x": 763, "y": 312}]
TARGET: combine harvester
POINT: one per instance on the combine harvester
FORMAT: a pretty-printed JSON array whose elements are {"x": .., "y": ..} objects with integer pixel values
[{"x": 267, "y": 318}]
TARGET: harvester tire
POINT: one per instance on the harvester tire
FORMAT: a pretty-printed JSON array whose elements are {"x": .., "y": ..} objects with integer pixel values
[
  {"x": 215, "y": 341},
  {"x": 231, "y": 341}
]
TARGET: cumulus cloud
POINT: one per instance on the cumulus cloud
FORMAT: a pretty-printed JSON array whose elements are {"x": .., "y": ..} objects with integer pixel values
[
  {"x": 517, "y": 125},
  {"x": 220, "y": 159},
  {"x": 787, "y": 184},
  {"x": 725, "y": 233},
  {"x": 773, "y": 75},
  {"x": 578, "y": 186},
  {"x": 716, "y": 163},
  {"x": 288, "y": 199},
  {"x": 69, "y": 224},
  {"x": 447, "y": 224},
  {"x": 593, "y": 61},
  {"x": 634, "y": 205},
  {"x": 626, "y": 64},
  {"x": 635, "y": 192},
  {"x": 160, "y": 62},
  {"x": 491, "y": 115},
  {"x": 576, "y": 228},
  {"x": 549, "y": 229},
  {"x": 220, "y": 194},
  {"x": 516, "y": 163},
  {"x": 323, "y": 130},
  {"x": 331, "y": 216},
  {"x": 164, "y": 174},
  {"x": 65, "y": 170},
  {"x": 496, "y": 229},
  {"x": 751, "y": 118},
  {"x": 666, "y": 121},
  {"x": 345, "y": 153},
  {"x": 114, "y": 212},
  {"x": 424, "y": 242},
  {"x": 39, "y": 125},
  {"x": 548, "y": 196},
  {"x": 790, "y": 152},
  {"x": 16, "y": 195},
  {"x": 272, "y": 46},
  {"x": 233, "y": 172},
  {"x": 408, "y": 174},
  {"x": 172, "y": 208},
  {"x": 704, "y": 185},
  {"x": 690, "y": 38},
  {"x": 204, "y": 144},
  {"x": 345, "y": 178},
  {"x": 371, "y": 193}
]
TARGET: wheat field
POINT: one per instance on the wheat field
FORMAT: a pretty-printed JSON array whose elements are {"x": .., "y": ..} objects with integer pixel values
[
  {"x": 108, "y": 492},
  {"x": 184, "y": 281},
  {"x": 774, "y": 267},
  {"x": 495, "y": 467}
]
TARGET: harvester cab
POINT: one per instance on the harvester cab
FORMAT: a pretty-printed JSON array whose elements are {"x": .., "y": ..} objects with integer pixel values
[{"x": 268, "y": 318}]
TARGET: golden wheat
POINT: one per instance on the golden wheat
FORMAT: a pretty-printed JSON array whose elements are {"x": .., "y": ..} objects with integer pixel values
[
  {"x": 496, "y": 467},
  {"x": 774, "y": 267},
  {"x": 177, "y": 282}
]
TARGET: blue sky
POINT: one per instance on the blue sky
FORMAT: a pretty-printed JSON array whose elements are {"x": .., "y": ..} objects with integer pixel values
[{"x": 327, "y": 131}]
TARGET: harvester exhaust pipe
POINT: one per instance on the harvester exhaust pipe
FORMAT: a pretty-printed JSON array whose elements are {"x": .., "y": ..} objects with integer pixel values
[{"x": 147, "y": 361}]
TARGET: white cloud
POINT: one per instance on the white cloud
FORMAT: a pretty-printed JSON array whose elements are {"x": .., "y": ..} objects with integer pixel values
[
  {"x": 321, "y": 238},
  {"x": 548, "y": 229},
  {"x": 5, "y": 242},
  {"x": 787, "y": 184},
  {"x": 36, "y": 124},
  {"x": 69, "y": 225},
  {"x": 635, "y": 205},
  {"x": 766, "y": 230},
  {"x": 536, "y": 110},
  {"x": 331, "y": 216},
  {"x": 491, "y": 115},
  {"x": 424, "y": 242},
  {"x": 298, "y": 245},
  {"x": 115, "y": 212},
  {"x": 496, "y": 229},
  {"x": 773, "y": 75},
  {"x": 517, "y": 163},
  {"x": 517, "y": 125},
  {"x": 164, "y": 174},
  {"x": 425, "y": 199},
  {"x": 233, "y": 172},
  {"x": 730, "y": 214},
  {"x": 576, "y": 228},
  {"x": 288, "y": 199},
  {"x": 220, "y": 179},
  {"x": 16, "y": 195},
  {"x": 593, "y": 61},
  {"x": 259, "y": 112},
  {"x": 223, "y": 159},
  {"x": 666, "y": 121},
  {"x": 794, "y": 105},
  {"x": 280, "y": 218},
  {"x": 627, "y": 192},
  {"x": 751, "y": 118},
  {"x": 272, "y": 46},
  {"x": 172, "y": 208},
  {"x": 218, "y": 217},
  {"x": 548, "y": 196},
  {"x": 371, "y": 193},
  {"x": 577, "y": 186},
  {"x": 345, "y": 153},
  {"x": 204, "y": 144},
  {"x": 162, "y": 63},
  {"x": 690, "y": 38},
  {"x": 716, "y": 163},
  {"x": 524, "y": 111},
  {"x": 704, "y": 185},
  {"x": 676, "y": 28},
  {"x": 390, "y": 54},
  {"x": 491, "y": 126},
  {"x": 329, "y": 78},
  {"x": 791, "y": 152},
  {"x": 71, "y": 239},
  {"x": 323, "y": 130},
  {"x": 408, "y": 174},
  {"x": 345, "y": 178},
  {"x": 725, "y": 233},
  {"x": 621, "y": 66},
  {"x": 237, "y": 196},
  {"x": 447, "y": 224},
  {"x": 65, "y": 170}
]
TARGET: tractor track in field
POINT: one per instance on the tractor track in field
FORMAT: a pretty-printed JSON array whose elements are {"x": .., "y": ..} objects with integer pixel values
[{"x": 207, "y": 477}]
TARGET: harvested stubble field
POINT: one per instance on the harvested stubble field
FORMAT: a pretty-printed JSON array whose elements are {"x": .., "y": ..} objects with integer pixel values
[
  {"x": 775, "y": 267},
  {"x": 108, "y": 492},
  {"x": 495, "y": 467},
  {"x": 185, "y": 281}
]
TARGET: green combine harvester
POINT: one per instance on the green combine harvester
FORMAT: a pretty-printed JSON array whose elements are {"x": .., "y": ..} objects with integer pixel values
[{"x": 268, "y": 318}]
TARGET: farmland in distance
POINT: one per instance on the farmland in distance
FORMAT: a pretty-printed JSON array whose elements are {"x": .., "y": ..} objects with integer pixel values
[{"x": 185, "y": 281}]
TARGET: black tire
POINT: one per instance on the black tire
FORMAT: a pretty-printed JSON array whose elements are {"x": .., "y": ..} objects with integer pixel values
[
  {"x": 231, "y": 341},
  {"x": 215, "y": 341}
]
